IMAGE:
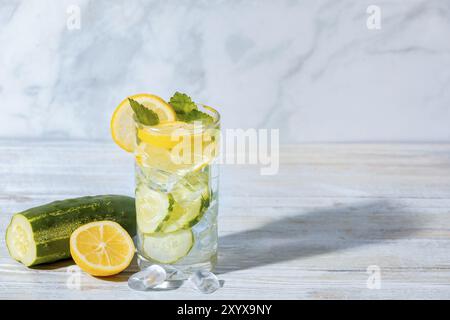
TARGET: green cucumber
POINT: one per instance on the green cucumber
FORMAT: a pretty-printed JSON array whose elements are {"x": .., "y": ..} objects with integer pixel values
[
  {"x": 41, "y": 234},
  {"x": 168, "y": 247}
]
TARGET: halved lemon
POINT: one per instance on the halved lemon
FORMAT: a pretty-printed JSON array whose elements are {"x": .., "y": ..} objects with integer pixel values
[
  {"x": 102, "y": 248},
  {"x": 122, "y": 123}
]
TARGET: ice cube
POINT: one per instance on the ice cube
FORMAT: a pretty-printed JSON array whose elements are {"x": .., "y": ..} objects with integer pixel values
[
  {"x": 174, "y": 273},
  {"x": 147, "y": 278},
  {"x": 204, "y": 281}
]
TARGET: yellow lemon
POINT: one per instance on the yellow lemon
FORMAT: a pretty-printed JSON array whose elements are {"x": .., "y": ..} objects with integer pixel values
[
  {"x": 122, "y": 122},
  {"x": 102, "y": 248}
]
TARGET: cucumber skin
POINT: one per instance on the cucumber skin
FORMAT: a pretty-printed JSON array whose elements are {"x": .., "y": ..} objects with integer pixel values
[{"x": 53, "y": 223}]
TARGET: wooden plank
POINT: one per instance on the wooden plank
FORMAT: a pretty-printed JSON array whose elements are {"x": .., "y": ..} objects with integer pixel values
[{"x": 309, "y": 232}]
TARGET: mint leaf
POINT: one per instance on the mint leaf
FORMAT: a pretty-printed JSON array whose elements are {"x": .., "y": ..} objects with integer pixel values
[
  {"x": 182, "y": 103},
  {"x": 144, "y": 115},
  {"x": 186, "y": 110},
  {"x": 196, "y": 115}
]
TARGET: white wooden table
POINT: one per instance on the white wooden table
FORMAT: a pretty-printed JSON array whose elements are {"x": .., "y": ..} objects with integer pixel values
[{"x": 309, "y": 232}]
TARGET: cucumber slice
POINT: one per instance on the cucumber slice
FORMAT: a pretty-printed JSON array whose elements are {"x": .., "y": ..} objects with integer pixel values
[
  {"x": 181, "y": 216},
  {"x": 191, "y": 197},
  {"x": 168, "y": 247},
  {"x": 152, "y": 208}
]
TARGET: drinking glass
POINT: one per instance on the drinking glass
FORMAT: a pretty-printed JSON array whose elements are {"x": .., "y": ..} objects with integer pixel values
[{"x": 177, "y": 198}]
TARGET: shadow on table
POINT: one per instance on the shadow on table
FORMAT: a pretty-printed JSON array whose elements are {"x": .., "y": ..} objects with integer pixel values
[
  {"x": 314, "y": 233},
  {"x": 54, "y": 265}
]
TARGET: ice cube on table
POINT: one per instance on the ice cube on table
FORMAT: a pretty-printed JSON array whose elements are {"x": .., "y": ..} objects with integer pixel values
[
  {"x": 148, "y": 278},
  {"x": 204, "y": 281}
]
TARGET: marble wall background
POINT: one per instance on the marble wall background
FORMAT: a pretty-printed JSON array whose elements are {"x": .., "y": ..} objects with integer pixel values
[{"x": 311, "y": 68}]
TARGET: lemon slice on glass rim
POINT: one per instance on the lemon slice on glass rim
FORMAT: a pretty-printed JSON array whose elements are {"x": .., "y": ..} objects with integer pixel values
[{"x": 122, "y": 122}]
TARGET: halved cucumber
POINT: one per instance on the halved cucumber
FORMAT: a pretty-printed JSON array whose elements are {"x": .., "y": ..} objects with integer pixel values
[
  {"x": 152, "y": 208},
  {"x": 168, "y": 247},
  {"x": 191, "y": 198}
]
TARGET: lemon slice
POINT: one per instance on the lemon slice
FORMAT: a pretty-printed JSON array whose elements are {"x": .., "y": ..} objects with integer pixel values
[
  {"x": 101, "y": 248},
  {"x": 122, "y": 123},
  {"x": 169, "y": 134},
  {"x": 173, "y": 163},
  {"x": 176, "y": 147}
]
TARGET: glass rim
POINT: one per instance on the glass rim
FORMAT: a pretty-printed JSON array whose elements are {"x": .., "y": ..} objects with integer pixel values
[
  {"x": 211, "y": 111},
  {"x": 214, "y": 111}
]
